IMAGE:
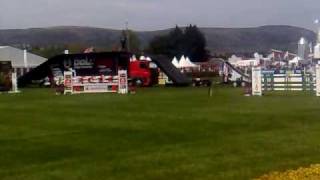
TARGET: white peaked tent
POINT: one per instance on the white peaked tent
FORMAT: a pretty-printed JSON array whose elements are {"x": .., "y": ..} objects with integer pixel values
[
  {"x": 148, "y": 58},
  {"x": 142, "y": 58},
  {"x": 183, "y": 62},
  {"x": 175, "y": 62},
  {"x": 189, "y": 63},
  {"x": 133, "y": 58}
]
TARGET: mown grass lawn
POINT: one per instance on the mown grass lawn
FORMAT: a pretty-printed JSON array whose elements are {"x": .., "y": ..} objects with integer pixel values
[{"x": 158, "y": 133}]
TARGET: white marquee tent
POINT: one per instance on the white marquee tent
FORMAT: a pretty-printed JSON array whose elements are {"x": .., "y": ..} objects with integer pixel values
[
  {"x": 190, "y": 64},
  {"x": 175, "y": 62},
  {"x": 182, "y": 62},
  {"x": 186, "y": 63}
]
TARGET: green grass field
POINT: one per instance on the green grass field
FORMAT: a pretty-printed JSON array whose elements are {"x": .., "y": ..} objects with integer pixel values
[{"x": 158, "y": 133}]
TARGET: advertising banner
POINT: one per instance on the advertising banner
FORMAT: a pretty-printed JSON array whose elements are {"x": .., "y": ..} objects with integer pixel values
[
  {"x": 318, "y": 80},
  {"x": 256, "y": 81},
  {"x": 5, "y": 76},
  {"x": 68, "y": 82},
  {"x": 123, "y": 82},
  {"x": 92, "y": 65}
]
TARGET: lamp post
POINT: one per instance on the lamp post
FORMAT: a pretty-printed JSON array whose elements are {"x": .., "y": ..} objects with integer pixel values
[
  {"x": 316, "y": 51},
  {"x": 316, "y": 22}
]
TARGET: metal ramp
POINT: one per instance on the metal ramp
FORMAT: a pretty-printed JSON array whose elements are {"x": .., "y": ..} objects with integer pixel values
[
  {"x": 244, "y": 76},
  {"x": 37, "y": 73},
  {"x": 170, "y": 70}
]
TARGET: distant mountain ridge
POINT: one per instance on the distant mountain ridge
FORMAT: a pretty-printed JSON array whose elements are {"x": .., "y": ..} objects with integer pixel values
[{"x": 219, "y": 40}]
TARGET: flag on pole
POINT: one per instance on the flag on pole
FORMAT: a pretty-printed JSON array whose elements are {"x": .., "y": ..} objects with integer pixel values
[{"x": 89, "y": 50}]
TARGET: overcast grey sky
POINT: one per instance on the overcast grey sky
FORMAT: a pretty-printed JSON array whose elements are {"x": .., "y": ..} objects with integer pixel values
[{"x": 157, "y": 14}]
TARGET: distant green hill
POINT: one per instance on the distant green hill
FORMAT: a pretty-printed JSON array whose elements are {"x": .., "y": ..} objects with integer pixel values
[{"x": 235, "y": 40}]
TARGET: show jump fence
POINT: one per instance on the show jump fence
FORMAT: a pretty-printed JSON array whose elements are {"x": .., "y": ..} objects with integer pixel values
[
  {"x": 95, "y": 84},
  {"x": 268, "y": 81}
]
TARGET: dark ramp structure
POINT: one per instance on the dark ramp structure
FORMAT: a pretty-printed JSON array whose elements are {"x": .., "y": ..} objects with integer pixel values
[
  {"x": 165, "y": 64},
  {"x": 92, "y": 64},
  {"x": 246, "y": 77}
]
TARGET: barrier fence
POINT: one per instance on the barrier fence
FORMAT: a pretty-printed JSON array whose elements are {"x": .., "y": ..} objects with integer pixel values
[
  {"x": 288, "y": 82},
  {"x": 268, "y": 81},
  {"x": 95, "y": 84}
]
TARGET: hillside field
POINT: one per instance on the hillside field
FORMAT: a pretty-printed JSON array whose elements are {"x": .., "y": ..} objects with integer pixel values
[{"x": 158, "y": 134}]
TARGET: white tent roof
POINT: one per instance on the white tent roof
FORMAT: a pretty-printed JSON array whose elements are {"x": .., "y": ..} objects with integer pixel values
[
  {"x": 17, "y": 57},
  {"x": 175, "y": 62},
  {"x": 134, "y": 58},
  {"x": 183, "y": 62},
  {"x": 189, "y": 63},
  {"x": 142, "y": 58},
  {"x": 148, "y": 58}
]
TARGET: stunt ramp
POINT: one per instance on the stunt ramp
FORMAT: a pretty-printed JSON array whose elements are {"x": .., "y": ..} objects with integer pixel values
[{"x": 171, "y": 71}]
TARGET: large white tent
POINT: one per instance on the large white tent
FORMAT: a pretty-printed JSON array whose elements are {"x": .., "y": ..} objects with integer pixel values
[
  {"x": 186, "y": 63},
  {"x": 189, "y": 63},
  {"x": 22, "y": 61},
  {"x": 175, "y": 62},
  {"x": 183, "y": 62}
]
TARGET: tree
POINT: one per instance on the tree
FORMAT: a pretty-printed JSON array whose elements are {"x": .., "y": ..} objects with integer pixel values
[
  {"x": 177, "y": 42},
  {"x": 195, "y": 44},
  {"x": 131, "y": 39},
  {"x": 159, "y": 45}
]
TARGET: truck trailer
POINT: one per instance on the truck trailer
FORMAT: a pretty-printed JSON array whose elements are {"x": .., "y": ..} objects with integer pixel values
[{"x": 141, "y": 73}]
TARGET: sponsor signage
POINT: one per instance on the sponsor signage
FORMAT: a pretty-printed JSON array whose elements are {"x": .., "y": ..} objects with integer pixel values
[
  {"x": 88, "y": 65},
  {"x": 68, "y": 82},
  {"x": 123, "y": 82},
  {"x": 256, "y": 81},
  {"x": 94, "y": 88}
]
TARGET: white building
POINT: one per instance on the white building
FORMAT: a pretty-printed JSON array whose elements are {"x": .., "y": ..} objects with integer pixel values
[
  {"x": 240, "y": 62},
  {"x": 21, "y": 60}
]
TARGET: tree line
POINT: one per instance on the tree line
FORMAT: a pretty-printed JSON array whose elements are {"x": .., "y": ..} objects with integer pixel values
[{"x": 188, "y": 41}]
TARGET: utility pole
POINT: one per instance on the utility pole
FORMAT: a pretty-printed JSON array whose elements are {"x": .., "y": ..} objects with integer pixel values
[{"x": 128, "y": 36}]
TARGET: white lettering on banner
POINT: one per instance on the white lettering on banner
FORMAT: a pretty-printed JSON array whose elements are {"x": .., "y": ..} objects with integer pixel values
[
  {"x": 318, "y": 80},
  {"x": 83, "y": 63},
  {"x": 256, "y": 81},
  {"x": 96, "y": 87},
  {"x": 79, "y": 63}
]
